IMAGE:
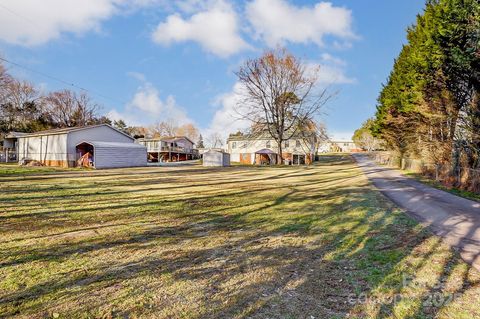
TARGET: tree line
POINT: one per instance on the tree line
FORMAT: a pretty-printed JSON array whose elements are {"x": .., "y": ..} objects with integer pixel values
[
  {"x": 25, "y": 108},
  {"x": 429, "y": 108}
]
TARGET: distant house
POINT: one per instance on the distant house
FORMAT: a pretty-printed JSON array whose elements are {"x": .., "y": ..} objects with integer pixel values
[
  {"x": 339, "y": 146},
  {"x": 263, "y": 150},
  {"x": 215, "y": 157},
  {"x": 169, "y": 149},
  {"x": 106, "y": 146}
]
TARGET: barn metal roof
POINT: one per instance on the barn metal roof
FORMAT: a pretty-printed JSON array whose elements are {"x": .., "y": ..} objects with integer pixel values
[
  {"x": 71, "y": 129},
  {"x": 101, "y": 144}
]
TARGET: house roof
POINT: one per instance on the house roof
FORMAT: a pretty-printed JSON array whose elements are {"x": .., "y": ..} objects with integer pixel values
[
  {"x": 266, "y": 136},
  {"x": 70, "y": 129},
  {"x": 167, "y": 139},
  {"x": 101, "y": 144},
  {"x": 215, "y": 150}
]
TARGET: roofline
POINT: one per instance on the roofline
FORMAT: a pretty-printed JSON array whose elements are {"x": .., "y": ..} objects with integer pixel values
[
  {"x": 165, "y": 138},
  {"x": 74, "y": 129},
  {"x": 243, "y": 138},
  {"x": 135, "y": 145}
]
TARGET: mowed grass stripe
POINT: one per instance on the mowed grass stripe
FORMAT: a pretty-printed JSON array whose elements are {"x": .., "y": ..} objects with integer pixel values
[{"x": 239, "y": 242}]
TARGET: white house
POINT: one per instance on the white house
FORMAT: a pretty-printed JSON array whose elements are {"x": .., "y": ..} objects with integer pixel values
[
  {"x": 264, "y": 150},
  {"x": 107, "y": 147}
]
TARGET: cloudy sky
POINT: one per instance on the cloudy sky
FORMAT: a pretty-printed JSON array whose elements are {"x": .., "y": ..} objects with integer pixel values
[{"x": 151, "y": 60}]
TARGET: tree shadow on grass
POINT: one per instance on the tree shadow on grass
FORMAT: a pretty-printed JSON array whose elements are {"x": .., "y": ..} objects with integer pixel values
[{"x": 309, "y": 251}]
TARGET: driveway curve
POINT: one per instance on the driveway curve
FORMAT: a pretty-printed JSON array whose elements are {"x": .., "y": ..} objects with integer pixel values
[{"x": 451, "y": 217}]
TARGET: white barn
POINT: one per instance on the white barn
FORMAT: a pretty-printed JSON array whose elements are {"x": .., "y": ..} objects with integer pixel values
[
  {"x": 216, "y": 158},
  {"x": 108, "y": 147}
]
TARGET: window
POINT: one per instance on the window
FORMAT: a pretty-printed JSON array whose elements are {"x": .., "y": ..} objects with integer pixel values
[
  {"x": 297, "y": 143},
  {"x": 268, "y": 144},
  {"x": 287, "y": 144},
  {"x": 234, "y": 144}
]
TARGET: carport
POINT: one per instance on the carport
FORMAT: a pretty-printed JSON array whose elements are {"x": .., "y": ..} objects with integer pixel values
[
  {"x": 110, "y": 154},
  {"x": 265, "y": 157}
]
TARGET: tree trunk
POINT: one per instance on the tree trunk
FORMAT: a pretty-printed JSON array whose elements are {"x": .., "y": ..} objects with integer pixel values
[{"x": 279, "y": 156}]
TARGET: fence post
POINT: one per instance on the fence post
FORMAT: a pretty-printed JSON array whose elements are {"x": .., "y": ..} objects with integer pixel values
[{"x": 436, "y": 172}]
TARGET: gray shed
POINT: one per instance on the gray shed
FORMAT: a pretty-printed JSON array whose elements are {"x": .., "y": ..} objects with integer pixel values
[
  {"x": 114, "y": 154},
  {"x": 216, "y": 158}
]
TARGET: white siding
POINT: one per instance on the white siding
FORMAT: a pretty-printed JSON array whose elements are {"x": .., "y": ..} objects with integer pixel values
[
  {"x": 235, "y": 157},
  {"x": 252, "y": 146},
  {"x": 97, "y": 133},
  {"x": 43, "y": 148},
  {"x": 183, "y": 142}
]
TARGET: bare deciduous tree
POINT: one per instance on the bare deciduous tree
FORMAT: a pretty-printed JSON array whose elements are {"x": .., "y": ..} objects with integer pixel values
[
  {"x": 163, "y": 129},
  {"x": 67, "y": 109},
  {"x": 280, "y": 95},
  {"x": 20, "y": 104},
  {"x": 214, "y": 140},
  {"x": 189, "y": 130}
]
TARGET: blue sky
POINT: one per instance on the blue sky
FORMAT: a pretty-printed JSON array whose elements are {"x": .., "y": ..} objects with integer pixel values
[{"x": 154, "y": 60}]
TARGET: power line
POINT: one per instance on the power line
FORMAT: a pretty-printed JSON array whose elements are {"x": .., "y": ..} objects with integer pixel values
[
  {"x": 17, "y": 15},
  {"x": 62, "y": 81}
]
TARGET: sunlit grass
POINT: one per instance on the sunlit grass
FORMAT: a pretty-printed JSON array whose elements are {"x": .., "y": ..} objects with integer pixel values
[{"x": 238, "y": 242}]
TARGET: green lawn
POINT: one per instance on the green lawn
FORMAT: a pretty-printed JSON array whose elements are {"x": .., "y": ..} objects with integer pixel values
[{"x": 239, "y": 242}]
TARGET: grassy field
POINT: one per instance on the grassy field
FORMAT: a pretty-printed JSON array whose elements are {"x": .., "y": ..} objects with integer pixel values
[{"x": 239, "y": 242}]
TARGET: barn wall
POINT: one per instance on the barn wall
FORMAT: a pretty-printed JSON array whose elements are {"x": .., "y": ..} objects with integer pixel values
[
  {"x": 98, "y": 133},
  {"x": 48, "y": 149},
  {"x": 111, "y": 157}
]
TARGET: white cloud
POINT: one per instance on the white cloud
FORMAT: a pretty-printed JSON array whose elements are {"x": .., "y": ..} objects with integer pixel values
[
  {"x": 215, "y": 29},
  {"x": 277, "y": 22},
  {"x": 147, "y": 107},
  {"x": 226, "y": 119},
  {"x": 33, "y": 22},
  {"x": 332, "y": 70}
]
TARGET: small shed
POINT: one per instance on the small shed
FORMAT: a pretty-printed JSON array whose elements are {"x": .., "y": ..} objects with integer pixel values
[
  {"x": 99, "y": 154},
  {"x": 216, "y": 158}
]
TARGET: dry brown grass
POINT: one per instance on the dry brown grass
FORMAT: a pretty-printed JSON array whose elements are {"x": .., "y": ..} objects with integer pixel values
[{"x": 240, "y": 242}]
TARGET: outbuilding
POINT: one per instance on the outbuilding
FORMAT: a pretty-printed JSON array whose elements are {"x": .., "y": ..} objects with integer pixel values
[
  {"x": 64, "y": 147},
  {"x": 112, "y": 154},
  {"x": 216, "y": 158}
]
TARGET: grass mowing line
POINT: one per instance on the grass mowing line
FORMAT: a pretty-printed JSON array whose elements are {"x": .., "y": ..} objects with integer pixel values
[{"x": 271, "y": 242}]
